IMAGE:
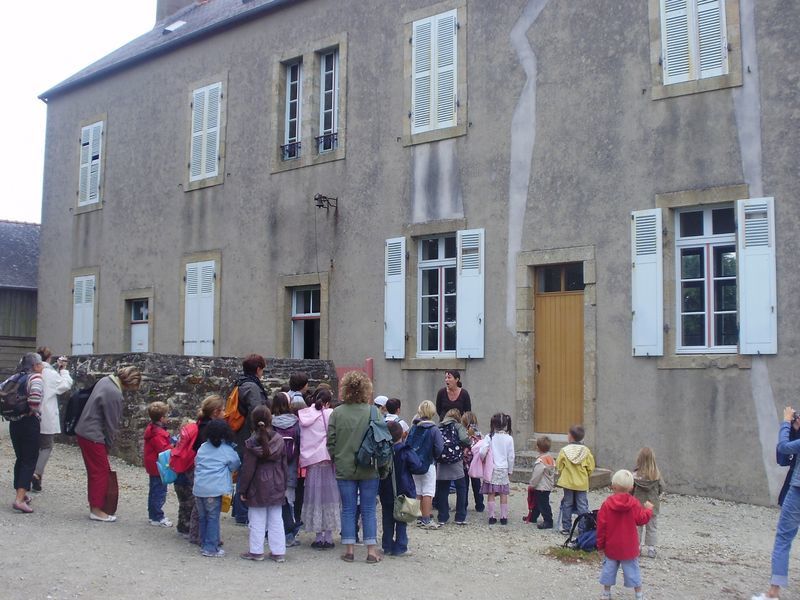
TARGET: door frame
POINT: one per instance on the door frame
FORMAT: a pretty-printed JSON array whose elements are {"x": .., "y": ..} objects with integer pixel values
[{"x": 527, "y": 261}]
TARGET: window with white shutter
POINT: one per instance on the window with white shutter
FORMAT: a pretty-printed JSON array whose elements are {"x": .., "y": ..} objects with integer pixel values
[
  {"x": 647, "y": 280},
  {"x": 198, "y": 328},
  {"x": 83, "y": 299},
  {"x": 205, "y": 144},
  {"x": 394, "y": 298},
  {"x": 434, "y": 58},
  {"x": 90, "y": 164},
  {"x": 694, "y": 41}
]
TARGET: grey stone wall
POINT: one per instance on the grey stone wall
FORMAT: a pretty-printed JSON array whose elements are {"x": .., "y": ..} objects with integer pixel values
[{"x": 182, "y": 382}]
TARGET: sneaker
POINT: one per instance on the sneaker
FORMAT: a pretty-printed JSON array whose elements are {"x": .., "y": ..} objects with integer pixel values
[
  {"x": 651, "y": 552},
  {"x": 762, "y": 597},
  {"x": 251, "y": 556},
  {"x": 218, "y": 554},
  {"x": 291, "y": 543},
  {"x": 278, "y": 558},
  {"x": 36, "y": 483},
  {"x": 492, "y": 520},
  {"x": 165, "y": 522},
  {"x": 431, "y": 525},
  {"x": 328, "y": 545},
  {"x": 503, "y": 521},
  {"x": 442, "y": 523},
  {"x": 460, "y": 522},
  {"x": 544, "y": 525},
  {"x": 563, "y": 531},
  {"x": 605, "y": 595}
]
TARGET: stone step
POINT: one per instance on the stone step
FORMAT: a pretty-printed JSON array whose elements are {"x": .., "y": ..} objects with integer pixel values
[{"x": 599, "y": 478}]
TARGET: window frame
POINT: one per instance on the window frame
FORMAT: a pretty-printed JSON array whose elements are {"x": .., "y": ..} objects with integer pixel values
[
  {"x": 298, "y": 317},
  {"x": 441, "y": 264},
  {"x": 291, "y": 149},
  {"x": 328, "y": 135}
]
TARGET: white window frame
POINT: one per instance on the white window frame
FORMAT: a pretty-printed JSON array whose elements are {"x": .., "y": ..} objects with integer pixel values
[
  {"x": 433, "y": 82},
  {"x": 292, "y": 143},
  {"x": 683, "y": 22},
  {"x": 440, "y": 265},
  {"x": 328, "y": 136},
  {"x": 302, "y": 317},
  {"x": 91, "y": 164},
  {"x": 204, "y": 154}
]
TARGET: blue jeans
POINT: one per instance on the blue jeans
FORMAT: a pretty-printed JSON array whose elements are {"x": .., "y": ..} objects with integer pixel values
[
  {"x": 785, "y": 533},
  {"x": 574, "y": 501},
  {"x": 395, "y": 535},
  {"x": 156, "y": 498},
  {"x": 239, "y": 507},
  {"x": 208, "y": 511},
  {"x": 631, "y": 575},
  {"x": 349, "y": 490},
  {"x": 442, "y": 502}
]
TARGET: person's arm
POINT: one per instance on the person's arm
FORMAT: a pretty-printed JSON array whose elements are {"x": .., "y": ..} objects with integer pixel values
[
  {"x": 234, "y": 462},
  {"x": 62, "y": 380},
  {"x": 510, "y": 455},
  {"x": 601, "y": 529},
  {"x": 35, "y": 392},
  {"x": 467, "y": 401},
  {"x": 463, "y": 436},
  {"x": 785, "y": 446},
  {"x": 644, "y": 514},
  {"x": 536, "y": 474},
  {"x": 589, "y": 464},
  {"x": 484, "y": 449},
  {"x": 439, "y": 400},
  {"x": 331, "y": 441},
  {"x": 438, "y": 442},
  {"x": 112, "y": 414},
  {"x": 246, "y": 474}
]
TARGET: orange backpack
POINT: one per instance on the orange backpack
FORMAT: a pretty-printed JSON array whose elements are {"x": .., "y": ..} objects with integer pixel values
[{"x": 231, "y": 414}]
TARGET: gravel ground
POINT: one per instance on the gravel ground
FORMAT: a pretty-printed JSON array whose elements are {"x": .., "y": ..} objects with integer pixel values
[{"x": 709, "y": 549}]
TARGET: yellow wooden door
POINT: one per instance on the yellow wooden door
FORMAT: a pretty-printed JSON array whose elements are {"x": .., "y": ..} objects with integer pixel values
[{"x": 558, "y": 361}]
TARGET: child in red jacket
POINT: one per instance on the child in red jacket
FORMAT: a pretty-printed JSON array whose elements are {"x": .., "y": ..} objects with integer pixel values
[
  {"x": 617, "y": 534},
  {"x": 156, "y": 440}
]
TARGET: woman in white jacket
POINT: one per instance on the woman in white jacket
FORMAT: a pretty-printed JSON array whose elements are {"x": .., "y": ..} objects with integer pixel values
[{"x": 56, "y": 381}]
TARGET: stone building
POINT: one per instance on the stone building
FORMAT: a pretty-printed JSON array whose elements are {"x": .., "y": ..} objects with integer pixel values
[{"x": 586, "y": 209}]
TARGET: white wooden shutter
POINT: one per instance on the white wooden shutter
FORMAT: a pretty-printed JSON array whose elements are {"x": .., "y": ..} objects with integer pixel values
[
  {"x": 469, "y": 288},
  {"x": 422, "y": 75},
  {"x": 446, "y": 69},
  {"x": 758, "y": 317},
  {"x": 198, "y": 328},
  {"x": 394, "y": 298},
  {"x": 83, "y": 294},
  {"x": 676, "y": 40},
  {"x": 712, "y": 40},
  {"x": 647, "y": 281},
  {"x": 90, "y": 162},
  {"x": 206, "y": 110}
]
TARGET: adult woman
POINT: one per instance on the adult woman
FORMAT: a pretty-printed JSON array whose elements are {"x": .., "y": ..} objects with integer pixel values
[
  {"x": 346, "y": 428},
  {"x": 24, "y": 429},
  {"x": 96, "y": 430},
  {"x": 56, "y": 381},
  {"x": 321, "y": 505},
  {"x": 452, "y": 395},
  {"x": 789, "y": 519}
]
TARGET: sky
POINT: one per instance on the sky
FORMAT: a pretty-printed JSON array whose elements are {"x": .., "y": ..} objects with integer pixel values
[{"x": 51, "y": 40}]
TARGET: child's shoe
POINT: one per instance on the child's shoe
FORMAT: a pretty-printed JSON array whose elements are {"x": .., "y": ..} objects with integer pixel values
[
  {"x": 251, "y": 556},
  {"x": 218, "y": 554},
  {"x": 605, "y": 595},
  {"x": 492, "y": 520},
  {"x": 651, "y": 552},
  {"x": 528, "y": 518},
  {"x": 545, "y": 525},
  {"x": 165, "y": 522},
  {"x": 278, "y": 558},
  {"x": 503, "y": 521}
]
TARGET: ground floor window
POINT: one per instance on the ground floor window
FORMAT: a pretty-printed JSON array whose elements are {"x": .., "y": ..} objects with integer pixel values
[{"x": 305, "y": 322}]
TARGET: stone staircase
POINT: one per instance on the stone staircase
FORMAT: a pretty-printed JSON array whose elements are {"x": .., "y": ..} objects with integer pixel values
[{"x": 523, "y": 466}]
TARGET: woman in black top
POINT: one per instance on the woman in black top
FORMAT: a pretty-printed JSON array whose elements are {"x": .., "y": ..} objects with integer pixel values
[{"x": 452, "y": 395}]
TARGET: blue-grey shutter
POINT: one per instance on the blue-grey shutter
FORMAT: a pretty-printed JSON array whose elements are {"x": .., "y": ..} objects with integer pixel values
[
  {"x": 470, "y": 294},
  {"x": 647, "y": 283},
  {"x": 394, "y": 298}
]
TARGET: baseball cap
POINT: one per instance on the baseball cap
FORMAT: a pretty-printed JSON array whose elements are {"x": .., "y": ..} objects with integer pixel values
[{"x": 381, "y": 401}]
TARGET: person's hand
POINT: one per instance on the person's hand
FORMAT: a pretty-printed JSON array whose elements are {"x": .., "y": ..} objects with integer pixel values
[
  {"x": 648, "y": 504},
  {"x": 788, "y": 414}
]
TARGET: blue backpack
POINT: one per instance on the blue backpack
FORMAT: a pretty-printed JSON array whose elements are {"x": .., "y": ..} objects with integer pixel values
[
  {"x": 421, "y": 441},
  {"x": 586, "y": 525}
]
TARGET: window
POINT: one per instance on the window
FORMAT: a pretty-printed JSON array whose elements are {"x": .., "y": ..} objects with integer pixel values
[
  {"x": 199, "y": 308},
  {"x": 436, "y": 309},
  {"x": 306, "y": 322},
  {"x": 434, "y": 72},
  {"x": 83, "y": 301},
  {"x": 328, "y": 102},
  {"x": 294, "y": 93},
  {"x": 90, "y": 164},
  {"x": 139, "y": 324},
  {"x": 694, "y": 41},
  {"x": 205, "y": 143},
  {"x": 559, "y": 278}
]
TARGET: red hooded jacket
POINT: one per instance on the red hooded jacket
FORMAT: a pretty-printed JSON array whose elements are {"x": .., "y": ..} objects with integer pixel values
[
  {"x": 156, "y": 440},
  {"x": 619, "y": 516}
]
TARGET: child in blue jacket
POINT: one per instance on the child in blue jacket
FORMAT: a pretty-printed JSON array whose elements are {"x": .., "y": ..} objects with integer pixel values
[{"x": 406, "y": 463}]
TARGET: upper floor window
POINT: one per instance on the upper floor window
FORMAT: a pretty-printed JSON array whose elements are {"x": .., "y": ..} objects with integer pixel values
[
  {"x": 693, "y": 39},
  {"x": 434, "y": 72},
  {"x": 328, "y": 102},
  {"x": 294, "y": 93},
  {"x": 205, "y": 144},
  {"x": 90, "y": 164}
]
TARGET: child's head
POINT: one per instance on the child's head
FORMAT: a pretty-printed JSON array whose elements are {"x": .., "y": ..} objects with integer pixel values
[
  {"x": 500, "y": 422},
  {"x": 453, "y": 413},
  {"x": 393, "y": 406},
  {"x": 468, "y": 419},
  {"x": 396, "y": 430},
  {"x": 260, "y": 418},
  {"x": 646, "y": 467},
  {"x": 622, "y": 481},
  {"x": 426, "y": 410},
  {"x": 218, "y": 431},
  {"x": 380, "y": 402},
  {"x": 298, "y": 381},
  {"x": 211, "y": 407},
  {"x": 157, "y": 411},
  {"x": 322, "y": 398},
  {"x": 280, "y": 404},
  {"x": 543, "y": 443},
  {"x": 576, "y": 433}
]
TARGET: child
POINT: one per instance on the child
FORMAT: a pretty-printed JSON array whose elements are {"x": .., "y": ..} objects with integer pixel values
[
  {"x": 502, "y": 445},
  {"x": 648, "y": 486},
  {"x": 393, "y": 414},
  {"x": 617, "y": 521},
  {"x": 426, "y": 440},
  {"x": 262, "y": 484},
  {"x": 575, "y": 463},
  {"x": 470, "y": 422},
  {"x": 543, "y": 480},
  {"x": 215, "y": 461},
  {"x": 156, "y": 440},
  {"x": 406, "y": 463},
  {"x": 286, "y": 424},
  {"x": 450, "y": 469}
]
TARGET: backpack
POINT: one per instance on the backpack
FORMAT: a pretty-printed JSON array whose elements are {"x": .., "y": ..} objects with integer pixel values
[
  {"x": 586, "y": 523},
  {"x": 232, "y": 414},
  {"x": 421, "y": 441},
  {"x": 451, "y": 452},
  {"x": 291, "y": 448},
  {"x": 14, "y": 397},
  {"x": 376, "y": 446},
  {"x": 74, "y": 408}
]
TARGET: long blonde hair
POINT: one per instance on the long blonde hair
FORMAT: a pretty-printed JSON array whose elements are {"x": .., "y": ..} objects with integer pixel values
[{"x": 646, "y": 467}]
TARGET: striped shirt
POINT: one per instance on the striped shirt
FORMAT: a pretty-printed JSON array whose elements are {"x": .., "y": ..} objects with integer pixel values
[{"x": 35, "y": 392}]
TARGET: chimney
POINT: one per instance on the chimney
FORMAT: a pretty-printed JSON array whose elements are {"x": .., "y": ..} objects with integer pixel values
[{"x": 166, "y": 8}]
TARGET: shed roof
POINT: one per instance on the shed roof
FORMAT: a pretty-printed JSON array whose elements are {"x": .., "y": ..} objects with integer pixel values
[
  {"x": 202, "y": 18},
  {"x": 19, "y": 255}
]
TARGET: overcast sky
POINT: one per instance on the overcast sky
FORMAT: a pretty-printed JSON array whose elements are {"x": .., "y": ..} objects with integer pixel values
[{"x": 43, "y": 43}]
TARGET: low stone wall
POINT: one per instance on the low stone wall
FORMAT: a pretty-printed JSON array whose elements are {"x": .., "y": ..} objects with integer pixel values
[{"x": 182, "y": 382}]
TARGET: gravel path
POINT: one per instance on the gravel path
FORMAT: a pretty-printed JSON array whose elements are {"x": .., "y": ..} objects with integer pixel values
[{"x": 709, "y": 549}]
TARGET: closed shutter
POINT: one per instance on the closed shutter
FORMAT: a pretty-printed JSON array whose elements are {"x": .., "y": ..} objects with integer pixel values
[
  {"x": 647, "y": 281},
  {"x": 394, "y": 299},
  {"x": 90, "y": 163},
  {"x": 206, "y": 110},
  {"x": 676, "y": 39},
  {"x": 446, "y": 69},
  {"x": 711, "y": 38},
  {"x": 422, "y": 75},
  {"x": 83, "y": 295},
  {"x": 470, "y": 290},
  {"x": 198, "y": 329},
  {"x": 758, "y": 315}
]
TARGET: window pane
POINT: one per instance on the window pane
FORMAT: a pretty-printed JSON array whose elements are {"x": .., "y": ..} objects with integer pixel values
[
  {"x": 430, "y": 282},
  {"x": 450, "y": 308},
  {"x": 429, "y": 335},
  {"x": 722, "y": 221},
  {"x": 550, "y": 279},
  {"x": 726, "y": 332},
  {"x": 139, "y": 310},
  {"x": 691, "y": 224},
  {"x": 430, "y": 310},
  {"x": 573, "y": 277},
  {"x": 692, "y": 296},
  {"x": 725, "y": 261},
  {"x": 430, "y": 249},
  {"x": 449, "y": 337},
  {"x": 450, "y": 280},
  {"x": 693, "y": 330},
  {"x": 315, "y": 301},
  {"x": 692, "y": 263},
  {"x": 725, "y": 294},
  {"x": 449, "y": 247}
]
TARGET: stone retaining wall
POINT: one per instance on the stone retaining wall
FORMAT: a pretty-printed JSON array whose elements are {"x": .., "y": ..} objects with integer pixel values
[{"x": 182, "y": 382}]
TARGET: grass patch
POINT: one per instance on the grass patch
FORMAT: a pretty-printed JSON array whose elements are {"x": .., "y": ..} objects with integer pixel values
[{"x": 570, "y": 556}]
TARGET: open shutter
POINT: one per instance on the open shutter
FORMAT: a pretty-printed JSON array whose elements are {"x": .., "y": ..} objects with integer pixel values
[
  {"x": 83, "y": 315},
  {"x": 758, "y": 317},
  {"x": 647, "y": 281},
  {"x": 711, "y": 38},
  {"x": 446, "y": 69},
  {"x": 191, "y": 312},
  {"x": 469, "y": 286},
  {"x": 198, "y": 328},
  {"x": 198, "y": 134},
  {"x": 422, "y": 75},
  {"x": 89, "y": 175},
  {"x": 211, "y": 151},
  {"x": 676, "y": 42},
  {"x": 394, "y": 299}
]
